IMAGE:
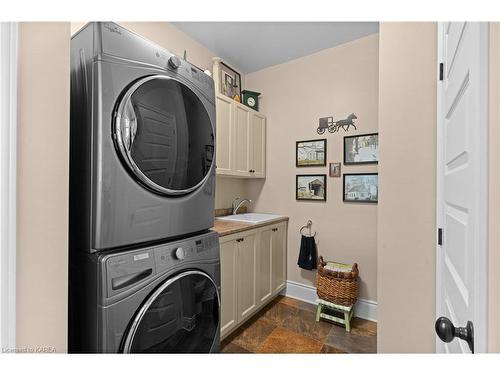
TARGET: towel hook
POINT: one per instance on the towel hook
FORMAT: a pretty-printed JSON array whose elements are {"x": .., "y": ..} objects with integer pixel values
[{"x": 308, "y": 226}]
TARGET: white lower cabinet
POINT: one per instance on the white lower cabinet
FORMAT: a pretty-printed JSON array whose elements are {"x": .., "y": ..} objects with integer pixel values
[
  {"x": 247, "y": 277},
  {"x": 264, "y": 288},
  {"x": 278, "y": 257},
  {"x": 253, "y": 271},
  {"x": 228, "y": 253}
]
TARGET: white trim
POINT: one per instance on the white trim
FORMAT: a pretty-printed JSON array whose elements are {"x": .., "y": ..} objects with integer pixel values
[
  {"x": 364, "y": 308},
  {"x": 8, "y": 172},
  {"x": 439, "y": 170}
]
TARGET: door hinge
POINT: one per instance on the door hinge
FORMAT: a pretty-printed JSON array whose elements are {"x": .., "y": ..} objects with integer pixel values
[
  {"x": 441, "y": 71},
  {"x": 440, "y": 236}
]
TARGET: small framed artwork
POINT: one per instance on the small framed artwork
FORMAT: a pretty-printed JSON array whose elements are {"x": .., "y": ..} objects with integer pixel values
[
  {"x": 310, "y": 187},
  {"x": 230, "y": 81},
  {"x": 334, "y": 169},
  {"x": 310, "y": 153},
  {"x": 361, "y": 187},
  {"x": 361, "y": 149}
]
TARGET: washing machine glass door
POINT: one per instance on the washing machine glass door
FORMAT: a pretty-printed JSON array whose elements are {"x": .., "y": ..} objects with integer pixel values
[
  {"x": 181, "y": 316},
  {"x": 164, "y": 135}
]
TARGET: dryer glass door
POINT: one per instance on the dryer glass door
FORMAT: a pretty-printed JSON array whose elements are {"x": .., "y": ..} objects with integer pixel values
[
  {"x": 164, "y": 134},
  {"x": 181, "y": 316}
]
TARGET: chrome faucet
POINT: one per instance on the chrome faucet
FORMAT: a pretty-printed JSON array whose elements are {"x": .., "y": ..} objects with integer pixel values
[{"x": 235, "y": 206}]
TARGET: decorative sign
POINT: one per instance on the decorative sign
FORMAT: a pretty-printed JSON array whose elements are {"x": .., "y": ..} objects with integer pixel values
[{"x": 334, "y": 126}]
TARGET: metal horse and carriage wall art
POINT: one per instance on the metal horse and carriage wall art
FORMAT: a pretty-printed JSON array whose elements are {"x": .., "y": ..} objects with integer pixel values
[{"x": 334, "y": 126}]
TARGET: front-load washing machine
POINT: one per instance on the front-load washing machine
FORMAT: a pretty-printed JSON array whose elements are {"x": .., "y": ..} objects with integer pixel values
[
  {"x": 142, "y": 142},
  {"x": 156, "y": 299}
]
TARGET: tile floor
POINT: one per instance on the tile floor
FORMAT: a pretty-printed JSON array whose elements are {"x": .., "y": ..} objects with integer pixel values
[{"x": 288, "y": 325}]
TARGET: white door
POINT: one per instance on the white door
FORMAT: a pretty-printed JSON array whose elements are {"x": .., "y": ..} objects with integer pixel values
[{"x": 462, "y": 184}]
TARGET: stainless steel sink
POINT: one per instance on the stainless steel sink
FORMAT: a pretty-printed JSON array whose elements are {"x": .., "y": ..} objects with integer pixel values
[{"x": 252, "y": 218}]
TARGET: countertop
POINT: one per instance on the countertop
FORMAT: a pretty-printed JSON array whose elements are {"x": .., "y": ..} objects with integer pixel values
[{"x": 225, "y": 228}]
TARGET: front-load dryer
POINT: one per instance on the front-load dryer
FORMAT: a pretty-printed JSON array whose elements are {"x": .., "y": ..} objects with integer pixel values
[
  {"x": 142, "y": 142},
  {"x": 156, "y": 299}
]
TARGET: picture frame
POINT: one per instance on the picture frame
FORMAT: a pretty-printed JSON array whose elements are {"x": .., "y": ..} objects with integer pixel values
[
  {"x": 334, "y": 169},
  {"x": 361, "y": 149},
  {"x": 310, "y": 187},
  {"x": 310, "y": 153},
  {"x": 230, "y": 81},
  {"x": 360, "y": 187}
]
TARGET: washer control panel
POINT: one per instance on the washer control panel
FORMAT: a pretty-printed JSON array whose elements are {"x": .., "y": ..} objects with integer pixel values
[{"x": 128, "y": 269}]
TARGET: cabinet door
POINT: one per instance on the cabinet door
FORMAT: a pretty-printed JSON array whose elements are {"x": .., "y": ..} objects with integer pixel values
[
  {"x": 242, "y": 140},
  {"x": 228, "y": 259},
  {"x": 225, "y": 136},
  {"x": 264, "y": 261},
  {"x": 246, "y": 276},
  {"x": 278, "y": 249},
  {"x": 258, "y": 145}
]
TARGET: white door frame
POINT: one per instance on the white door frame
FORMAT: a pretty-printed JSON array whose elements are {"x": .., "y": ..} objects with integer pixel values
[
  {"x": 481, "y": 231},
  {"x": 8, "y": 172}
]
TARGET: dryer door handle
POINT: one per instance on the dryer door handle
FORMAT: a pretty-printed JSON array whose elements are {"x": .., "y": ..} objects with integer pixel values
[{"x": 123, "y": 281}]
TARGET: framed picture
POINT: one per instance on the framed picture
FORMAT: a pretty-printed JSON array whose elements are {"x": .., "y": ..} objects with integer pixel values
[
  {"x": 334, "y": 169},
  {"x": 310, "y": 187},
  {"x": 361, "y": 187},
  {"x": 361, "y": 149},
  {"x": 310, "y": 153},
  {"x": 230, "y": 81}
]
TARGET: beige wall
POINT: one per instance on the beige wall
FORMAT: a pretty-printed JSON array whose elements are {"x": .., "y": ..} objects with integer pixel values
[
  {"x": 171, "y": 38},
  {"x": 43, "y": 161},
  {"x": 407, "y": 199},
  {"x": 296, "y": 94},
  {"x": 494, "y": 192}
]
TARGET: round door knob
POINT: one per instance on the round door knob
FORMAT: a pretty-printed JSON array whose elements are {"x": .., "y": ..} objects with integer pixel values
[
  {"x": 174, "y": 62},
  {"x": 179, "y": 253},
  {"x": 445, "y": 329}
]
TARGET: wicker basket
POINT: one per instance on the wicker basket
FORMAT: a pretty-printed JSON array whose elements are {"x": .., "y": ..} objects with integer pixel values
[{"x": 340, "y": 288}]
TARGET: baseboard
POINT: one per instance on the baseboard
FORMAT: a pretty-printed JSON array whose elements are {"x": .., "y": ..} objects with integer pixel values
[{"x": 364, "y": 308}]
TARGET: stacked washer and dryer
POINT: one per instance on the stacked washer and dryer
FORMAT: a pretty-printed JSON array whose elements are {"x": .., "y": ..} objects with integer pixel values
[{"x": 144, "y": 266}]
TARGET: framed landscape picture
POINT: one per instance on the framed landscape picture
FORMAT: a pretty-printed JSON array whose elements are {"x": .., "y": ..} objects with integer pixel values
[
  {"x": 311, "y": 153},
  {"x": 310, "y": 187},
  {"x": 361, "y": 187},
  {"x": 361, "y": 149}
]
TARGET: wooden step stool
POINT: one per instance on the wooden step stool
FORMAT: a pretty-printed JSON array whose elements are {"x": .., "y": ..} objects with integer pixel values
[{"x": 348, "y": 312}]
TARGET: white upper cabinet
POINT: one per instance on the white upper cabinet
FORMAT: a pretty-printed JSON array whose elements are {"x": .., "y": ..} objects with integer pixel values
[
  {"x": 241, "y": 140},
  {"x": 225, "y": 135},
  {"x": 242, "y": 149},
  {"x": 258, "y": 144}
]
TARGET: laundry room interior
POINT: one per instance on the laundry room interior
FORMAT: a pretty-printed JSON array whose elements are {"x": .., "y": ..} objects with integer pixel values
[{"x": 232, "y": 187}]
